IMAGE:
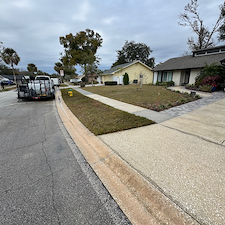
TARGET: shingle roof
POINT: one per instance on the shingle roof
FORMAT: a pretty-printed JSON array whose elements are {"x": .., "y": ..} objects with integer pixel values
[
  {"x": 189, "y": 62},
  {"x": 115, "y": 68},
  {"x": 11, "y": 77}
]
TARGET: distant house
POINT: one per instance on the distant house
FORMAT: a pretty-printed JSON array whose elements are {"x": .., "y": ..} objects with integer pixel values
[
  {"x": 90, "y": 77},
  {"x": 11, "y": 77},
  {"x": 136, "y": 71},
  {"x": 184, "y": 70}
]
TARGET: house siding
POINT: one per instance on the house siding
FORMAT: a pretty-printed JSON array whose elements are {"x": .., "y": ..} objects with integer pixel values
[
  {"x": 106, "y": 78},
  {"x": 177, "y": 77},
  {"x": 135, "y": 71},
  {"x": 155, "y": 77},
  {"x": 193, "y": 75}
]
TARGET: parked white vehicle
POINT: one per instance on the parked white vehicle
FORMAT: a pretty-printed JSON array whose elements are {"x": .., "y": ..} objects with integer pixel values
[
  {"x": 56, "y": 81},
  {"x": 41, "y": 87},
  {"x": 75, "y": 80}
]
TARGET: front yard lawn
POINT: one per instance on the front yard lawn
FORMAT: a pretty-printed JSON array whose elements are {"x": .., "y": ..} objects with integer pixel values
[
  {"x": 147, "y": 96},
  {"x": 100, "y": 118}
]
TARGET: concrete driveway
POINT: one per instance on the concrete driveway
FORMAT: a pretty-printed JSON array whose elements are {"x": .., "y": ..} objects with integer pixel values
[{"x": 183, "y": 157}]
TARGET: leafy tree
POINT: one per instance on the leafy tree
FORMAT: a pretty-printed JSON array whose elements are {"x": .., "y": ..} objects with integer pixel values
[
  {"x": 58, "y": 66},
  {"x": 0, "y": 49},
  {"x": 222, "y": 27},
  {"x": 191, "y": 18},
  {"x": 81, "y": 49},
  {"x": 40, "y": 72},
  {"x": 125, "y": 79},
  {"x": 31, "y": 68},
  {"x": 5, "y": 69},
  {"x": 134, "y": 51},
  {"x": 26, "y": 73},
  {"x": 69, "y": 70},
  {"x": 10, "y": 57},
  {"x": 91, "y": 70}
]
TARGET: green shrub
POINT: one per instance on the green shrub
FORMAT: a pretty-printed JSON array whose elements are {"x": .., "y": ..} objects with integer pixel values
[
  {"x": 82, "y": 84},
  {"x": 162, "y": 107},
  {"x": 206, "y": 88},
  {"x": 111, "y": 83},
  {"x": 125, "y": 79},
  {"x": 83, "y": 79},
  {"x": 166, "y": 84},
  {"x": 210, "y": 71},
  {"x": 182, "y": 101}
]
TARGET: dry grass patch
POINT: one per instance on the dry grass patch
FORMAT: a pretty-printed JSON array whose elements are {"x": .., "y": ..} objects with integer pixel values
[
  {"x": 146, "y": 97},
  {"x": 100, "y": 118}
]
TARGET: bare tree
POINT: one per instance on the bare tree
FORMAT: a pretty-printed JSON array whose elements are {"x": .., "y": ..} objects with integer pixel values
[{"x": 191, "y": 18}]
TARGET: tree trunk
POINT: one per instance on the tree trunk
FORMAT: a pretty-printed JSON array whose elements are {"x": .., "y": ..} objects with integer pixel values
[{"x": 14, "y": 75}]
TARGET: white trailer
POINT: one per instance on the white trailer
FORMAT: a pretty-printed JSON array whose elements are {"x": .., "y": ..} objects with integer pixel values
[{"x": 41, "y": 87}]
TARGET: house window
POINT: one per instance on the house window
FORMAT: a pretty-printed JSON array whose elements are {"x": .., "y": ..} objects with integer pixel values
[
  {"x": 165, "y": 76},
  {"x": 159, "y": 76}
]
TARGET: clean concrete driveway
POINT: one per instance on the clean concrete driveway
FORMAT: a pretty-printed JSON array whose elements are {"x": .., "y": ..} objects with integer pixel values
[
  {"x": 184, "y": 157},
  {"x": 44, "y": 178}
]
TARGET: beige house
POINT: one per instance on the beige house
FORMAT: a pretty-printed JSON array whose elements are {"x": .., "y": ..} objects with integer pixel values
[
  {"x": 184, "y": 70},
  {"x": 136, "y": 70}
]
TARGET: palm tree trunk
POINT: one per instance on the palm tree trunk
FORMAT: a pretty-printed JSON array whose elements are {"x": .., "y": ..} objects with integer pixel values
[{"x": 14, "y": 75}]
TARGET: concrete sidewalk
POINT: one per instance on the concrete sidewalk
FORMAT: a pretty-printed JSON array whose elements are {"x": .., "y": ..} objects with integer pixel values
[{"x": 182, "y": 157}]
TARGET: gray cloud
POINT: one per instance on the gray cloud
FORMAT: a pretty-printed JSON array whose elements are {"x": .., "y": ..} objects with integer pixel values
[{"x": 33, "y": 27}]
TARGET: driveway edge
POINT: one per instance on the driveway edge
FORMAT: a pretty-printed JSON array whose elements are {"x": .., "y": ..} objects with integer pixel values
[{"x": 140, "y": 201}]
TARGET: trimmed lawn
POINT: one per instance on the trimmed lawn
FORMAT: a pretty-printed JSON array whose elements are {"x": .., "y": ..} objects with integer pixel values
[
  {"x": 63, "y": 85},
  {"x": 100, "y": 118},
  {"x": 147, "y": 96}
]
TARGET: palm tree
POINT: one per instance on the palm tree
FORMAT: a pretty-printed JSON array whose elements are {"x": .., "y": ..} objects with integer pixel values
[
  {"x": 10, "y": 57},
  {"x": 31, "y": 68}
]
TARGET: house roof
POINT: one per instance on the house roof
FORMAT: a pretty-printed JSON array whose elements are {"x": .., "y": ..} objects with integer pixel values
[
  {"x": 122, "y": 66},
  {"x": 11, "y": 77},
  {"x": 190, "y": 62}
]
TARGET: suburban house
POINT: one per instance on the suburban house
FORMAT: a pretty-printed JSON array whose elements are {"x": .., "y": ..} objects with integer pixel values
[
  {"x": 11, "y": 77},
  {"x": 136, "y": 70},
  {"x": 184, "y": 70},
  {"x": 78, "y": 79}
]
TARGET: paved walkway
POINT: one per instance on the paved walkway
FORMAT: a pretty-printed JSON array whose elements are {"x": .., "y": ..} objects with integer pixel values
[{"x": 207, "y": 98}]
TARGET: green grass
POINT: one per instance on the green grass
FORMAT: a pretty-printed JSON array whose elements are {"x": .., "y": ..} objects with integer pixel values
[
  {"x": 100, "y": 118},
  {"x": 8, "y": 88},
  {"x": 63, "y": 85},
  {"x": 147, "y": 96}
]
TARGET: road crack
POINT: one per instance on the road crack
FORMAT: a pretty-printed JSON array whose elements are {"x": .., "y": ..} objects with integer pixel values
[{"x": 51, "y": 174}]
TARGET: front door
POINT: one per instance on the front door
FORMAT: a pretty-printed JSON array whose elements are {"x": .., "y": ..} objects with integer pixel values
[{"x": 187, "y": 77}]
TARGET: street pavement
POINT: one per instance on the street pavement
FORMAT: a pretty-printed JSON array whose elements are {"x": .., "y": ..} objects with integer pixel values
[
  {"x": 44, "y": 179},
  {"x": 182, "y": 156}
]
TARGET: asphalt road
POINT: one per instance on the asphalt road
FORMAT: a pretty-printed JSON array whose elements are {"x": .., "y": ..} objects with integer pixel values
[{"x": 44, "y": 178}]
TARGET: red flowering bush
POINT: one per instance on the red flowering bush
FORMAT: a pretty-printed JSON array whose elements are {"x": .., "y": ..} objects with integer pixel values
[{"x": 211, "y": 80}]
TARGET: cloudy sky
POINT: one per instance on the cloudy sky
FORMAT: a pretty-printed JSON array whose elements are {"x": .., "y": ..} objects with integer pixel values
[{"x": 33, "y": 27}]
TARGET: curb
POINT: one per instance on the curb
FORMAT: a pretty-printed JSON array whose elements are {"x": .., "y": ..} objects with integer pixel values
[{"x": 140, "y": 201}]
